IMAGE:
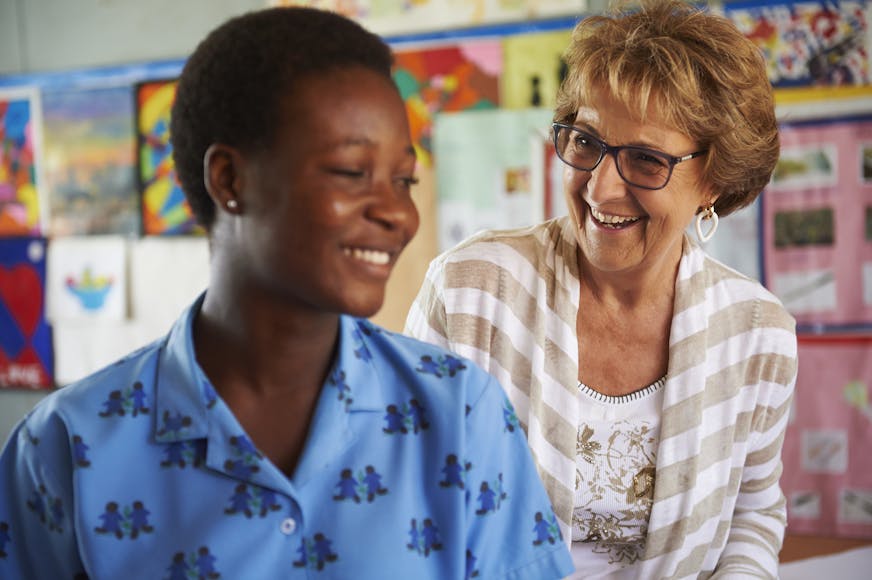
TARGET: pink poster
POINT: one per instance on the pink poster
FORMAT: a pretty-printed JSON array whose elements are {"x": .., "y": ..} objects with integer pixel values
[
  {"x": 817, "y": 223},
  {"x": 828, "y": 447}
]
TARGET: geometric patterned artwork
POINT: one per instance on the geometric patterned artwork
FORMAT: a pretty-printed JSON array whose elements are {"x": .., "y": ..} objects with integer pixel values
[
  {"x": 458, "y": 77},
  {"x": 26, "y": 359},
  {"x": 165, "y": 210}
]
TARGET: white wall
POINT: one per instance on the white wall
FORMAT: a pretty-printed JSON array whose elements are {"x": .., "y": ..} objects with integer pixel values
[
  {"x": 10, "y": 53},
  {"x": 52, "y": 35}
]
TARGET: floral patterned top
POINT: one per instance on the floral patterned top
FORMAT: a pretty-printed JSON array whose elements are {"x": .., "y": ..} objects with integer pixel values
[{"x": 614, "y": 480}]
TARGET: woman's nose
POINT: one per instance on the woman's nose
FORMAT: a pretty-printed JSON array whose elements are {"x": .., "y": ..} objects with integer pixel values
[
  {"x": 605, "y": 182},
  {"x": 395, "y": 210}
]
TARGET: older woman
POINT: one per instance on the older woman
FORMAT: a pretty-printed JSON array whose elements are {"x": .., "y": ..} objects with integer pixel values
[
  {"x": 274, "y": 433},
  {"x": 653, "y": 382}
]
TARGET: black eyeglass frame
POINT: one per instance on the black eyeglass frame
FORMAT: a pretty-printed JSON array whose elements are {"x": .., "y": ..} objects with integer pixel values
[{"x": 613, "y": 150}]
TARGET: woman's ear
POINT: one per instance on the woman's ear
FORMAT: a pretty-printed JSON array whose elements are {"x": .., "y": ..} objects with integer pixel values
[{"x": 223, "y": 177}]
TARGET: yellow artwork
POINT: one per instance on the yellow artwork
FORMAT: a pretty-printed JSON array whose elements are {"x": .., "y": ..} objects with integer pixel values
[{"x": 532, "y": 69}]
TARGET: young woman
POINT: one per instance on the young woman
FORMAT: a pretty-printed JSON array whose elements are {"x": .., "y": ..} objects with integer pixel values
[{"x": 273, "y": 433}]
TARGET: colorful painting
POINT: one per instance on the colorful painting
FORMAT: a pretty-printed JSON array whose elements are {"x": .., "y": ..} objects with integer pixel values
[
  {"x": 807, "y": 42},
  {"x": 90, "y": 171},
  {"x": 460, "y": 77},
  {"x": 22, "y": 208},
  {"x": 165, "y": 210},
  {"x": 26, "y": 359}
]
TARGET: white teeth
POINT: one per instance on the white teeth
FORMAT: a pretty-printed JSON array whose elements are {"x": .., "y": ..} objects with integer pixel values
[
  {"x": 612, "y": 220},
  {"x": 371, "y": 256}
]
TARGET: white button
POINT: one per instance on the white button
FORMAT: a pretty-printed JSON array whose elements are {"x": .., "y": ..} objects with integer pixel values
[{"x": 288, "y": 526}]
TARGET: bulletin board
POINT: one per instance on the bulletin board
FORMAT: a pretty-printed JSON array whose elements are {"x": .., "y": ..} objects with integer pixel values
[
  {"x": 818, "y": 218},
  {"x": 827, "y": 475}
]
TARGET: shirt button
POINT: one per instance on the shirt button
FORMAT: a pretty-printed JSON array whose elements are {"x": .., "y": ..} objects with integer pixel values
[{"x": 288, "y": 526}]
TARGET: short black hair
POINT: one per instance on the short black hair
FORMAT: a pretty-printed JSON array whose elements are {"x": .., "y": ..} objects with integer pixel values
[{"x": 231, "y": 87}]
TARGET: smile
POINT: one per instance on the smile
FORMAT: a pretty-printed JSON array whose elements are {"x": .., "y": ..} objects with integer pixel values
[
  {"x": 376, "y": 257},
  {"x": 614, "y": 222}
]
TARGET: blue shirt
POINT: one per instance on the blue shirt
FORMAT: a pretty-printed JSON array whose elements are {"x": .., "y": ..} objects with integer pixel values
[{"x": 414, "y": 467}]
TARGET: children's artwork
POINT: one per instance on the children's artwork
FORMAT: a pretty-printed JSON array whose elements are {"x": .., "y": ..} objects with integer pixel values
[
  {"x": 813, "y": 42},
  {"x": 484, "y": 161},
  {"x": 22, "y": 203},
  {"x": 90, "y": 171},
  {"x": 164, "y": 207},
  {"x": 459, "y": 77},
  {"x": 817, "y": 254},
  {"x": 87, "y": 279},
  {"x": 827, "y": 475},
  {"x": 26, "y": 359},
  {"x": 533, "y": 69},
  {"x": 404, "y": 17}
]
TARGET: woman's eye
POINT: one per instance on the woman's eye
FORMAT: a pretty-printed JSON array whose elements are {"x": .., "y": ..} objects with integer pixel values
[
  {"x": 645, "y": 158},
  {"x": 351, "y": 173},
  {"x": 408, "y": 181},
  {"x": 585, "y": 143}
]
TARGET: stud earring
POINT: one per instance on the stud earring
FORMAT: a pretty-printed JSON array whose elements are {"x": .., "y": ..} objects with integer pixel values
[
  {"x": 707, "y": 214},
  {"x": 232, "y": 204}
]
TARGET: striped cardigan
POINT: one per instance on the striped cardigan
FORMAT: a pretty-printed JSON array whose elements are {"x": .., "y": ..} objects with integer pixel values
[{"x": 508, "y": 300}]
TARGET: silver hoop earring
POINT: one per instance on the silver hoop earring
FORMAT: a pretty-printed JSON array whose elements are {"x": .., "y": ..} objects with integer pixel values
[
  {"x": 232, "y": 204},
  {"x": 707, "y": 214}
]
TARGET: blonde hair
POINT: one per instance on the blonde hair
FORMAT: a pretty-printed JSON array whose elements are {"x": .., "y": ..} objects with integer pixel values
[{"x": 701, "y": 75}]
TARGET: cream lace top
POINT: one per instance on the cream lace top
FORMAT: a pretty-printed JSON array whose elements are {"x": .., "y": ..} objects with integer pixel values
[{"x": 614, "y": 480}]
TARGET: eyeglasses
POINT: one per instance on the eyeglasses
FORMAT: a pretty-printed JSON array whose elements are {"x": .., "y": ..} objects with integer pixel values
[{"x": 638, "y": 166}]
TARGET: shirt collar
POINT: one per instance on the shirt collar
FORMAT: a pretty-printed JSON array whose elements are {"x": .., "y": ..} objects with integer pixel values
[
  {"x": 184, "y": 396},
  {"x": 355, "y": 365}
]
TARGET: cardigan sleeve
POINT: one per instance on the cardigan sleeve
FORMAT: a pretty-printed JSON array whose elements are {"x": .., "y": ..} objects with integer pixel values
[
  {"x": 427, "y": 319},
  {"x": 760, "y": 515}
]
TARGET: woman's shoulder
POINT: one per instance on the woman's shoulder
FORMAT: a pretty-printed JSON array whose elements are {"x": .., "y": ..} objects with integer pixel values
[
  {"x": 109, "y": 388},
  {"x": 727, "y": 289},
  {"x": 525, "y": 240}
]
